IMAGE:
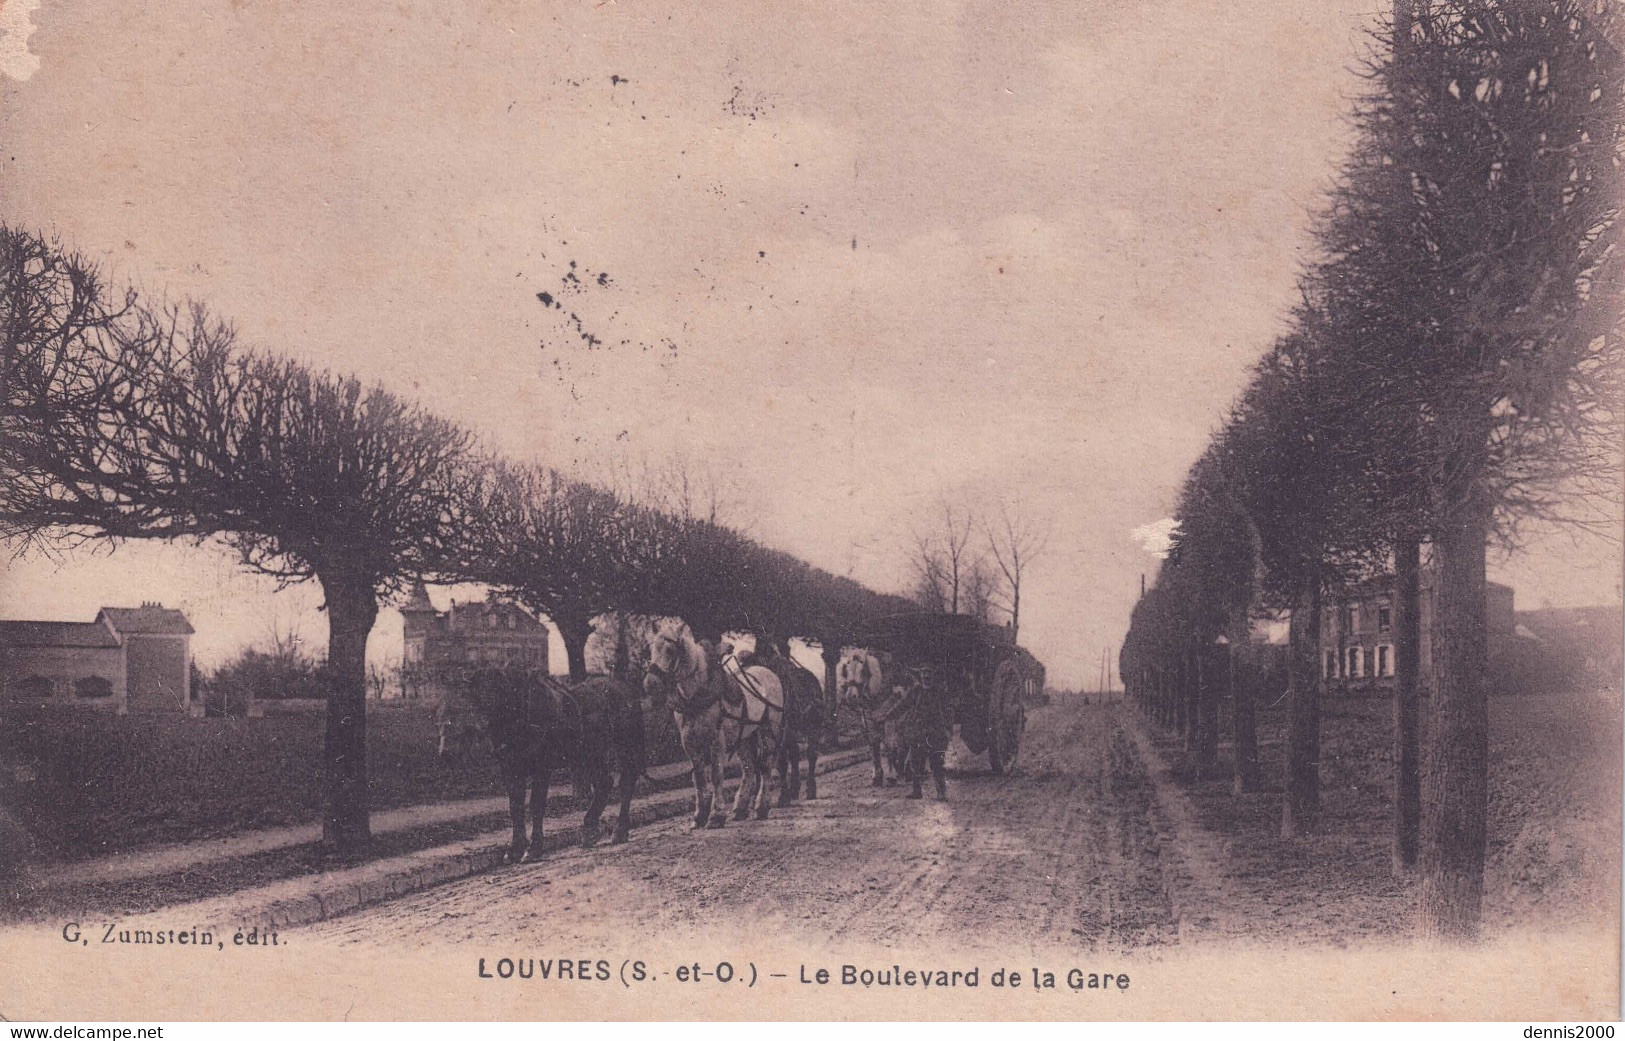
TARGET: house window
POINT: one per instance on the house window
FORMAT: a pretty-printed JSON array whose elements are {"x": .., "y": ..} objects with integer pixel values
[
  {"x": 1385, "y": 618},
  {"x": 93, "y": 687},
  {"x": 1356, "y": 663},
  {"x": 1330, "y": 671},
  {"x": 1385, "y": 659}
]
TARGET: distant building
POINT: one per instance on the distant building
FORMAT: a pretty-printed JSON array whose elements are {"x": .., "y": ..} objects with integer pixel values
[
  {"x": 130, "y": 659},
  {"x": 1357, "y": 631},
  {"x": 492, "y": 633}
]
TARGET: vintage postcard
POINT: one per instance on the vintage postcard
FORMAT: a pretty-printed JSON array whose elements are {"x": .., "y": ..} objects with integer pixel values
[{"x": 601, "y": 510}]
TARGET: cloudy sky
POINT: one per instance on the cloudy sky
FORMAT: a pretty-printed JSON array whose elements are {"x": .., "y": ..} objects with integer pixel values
[{"x": 857, "y": 257}]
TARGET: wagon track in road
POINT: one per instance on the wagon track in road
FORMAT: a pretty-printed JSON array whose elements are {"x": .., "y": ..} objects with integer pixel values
[{"x": 1058, "y": 854}]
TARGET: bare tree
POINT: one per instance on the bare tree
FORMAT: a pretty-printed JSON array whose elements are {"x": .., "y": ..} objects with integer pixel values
[
  {"x": 151, "y": 423},
  {"x": 1015, "y": 539},
  {"x": 561, "y": 547},
  {"x": 679, "y": 485},
  {"x": 981, "y": 590},
  {"x": 942, "y": 557}
]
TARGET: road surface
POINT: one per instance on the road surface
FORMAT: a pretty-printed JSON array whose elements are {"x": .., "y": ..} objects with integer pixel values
[{"x": 1060, "y": 853}]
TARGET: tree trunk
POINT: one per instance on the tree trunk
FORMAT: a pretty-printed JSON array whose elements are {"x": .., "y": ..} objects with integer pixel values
[
  {"x": 352, "y": 607},
  {"x": 1302, "y": 804},
  {"x": 1407, "y": 705},
  {"x": 574, "y": 630},
  {"x": 1207, "y": 728},
  {"x": 1176, "y": 694},
  {"x": 1191, "y": 692},
  {"x": 623, "y": 647},
  {"x": 831, "y": 653},
  {"x": 1243, "y": 682},
  {"x": 1455, "y": 790}
]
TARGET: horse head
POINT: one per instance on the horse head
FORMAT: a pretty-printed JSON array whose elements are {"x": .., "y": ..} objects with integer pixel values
[
  {"x": 678, "y": 668},
  {"x": 861, "y": 676}
]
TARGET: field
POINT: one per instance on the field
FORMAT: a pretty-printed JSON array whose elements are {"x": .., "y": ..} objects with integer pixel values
[
  {"x": 1554, "y": 823},
  {"x": 105, "y": 784}
]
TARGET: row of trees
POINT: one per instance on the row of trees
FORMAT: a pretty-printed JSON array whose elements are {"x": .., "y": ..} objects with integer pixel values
[
  {"x": 1451, "y": 374},
  {"x": 125, "y": 419}
]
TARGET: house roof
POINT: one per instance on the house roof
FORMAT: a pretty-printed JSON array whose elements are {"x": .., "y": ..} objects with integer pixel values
[
  {"x": 147, "y": 620},
  {"x": 56, "y": 634},
  {"x": 473, "y": 617}
]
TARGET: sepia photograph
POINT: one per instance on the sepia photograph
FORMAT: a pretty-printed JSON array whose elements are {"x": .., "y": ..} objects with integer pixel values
[{"x": 594, "y": 510}]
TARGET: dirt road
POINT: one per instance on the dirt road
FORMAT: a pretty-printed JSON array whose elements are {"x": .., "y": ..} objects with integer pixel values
[{"x": 1061, "y": 853}]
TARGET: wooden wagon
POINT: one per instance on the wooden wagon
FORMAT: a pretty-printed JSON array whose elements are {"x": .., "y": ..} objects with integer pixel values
[{"x": 976, "y": 668}]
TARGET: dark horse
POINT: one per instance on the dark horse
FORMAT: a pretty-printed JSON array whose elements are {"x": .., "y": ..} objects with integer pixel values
[
  {"x": 806, "y": 717},
  {"x": 537, "y": 724}
]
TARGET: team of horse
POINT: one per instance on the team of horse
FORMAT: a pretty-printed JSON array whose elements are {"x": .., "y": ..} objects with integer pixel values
[{"x": 760, "y": 708}]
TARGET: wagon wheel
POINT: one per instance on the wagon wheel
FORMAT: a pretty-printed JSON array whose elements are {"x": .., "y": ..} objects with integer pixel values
[{"x": 1007, "y": 717}]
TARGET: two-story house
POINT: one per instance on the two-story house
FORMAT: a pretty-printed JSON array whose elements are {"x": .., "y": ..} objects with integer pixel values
[{"x": 1357, "y": 632}]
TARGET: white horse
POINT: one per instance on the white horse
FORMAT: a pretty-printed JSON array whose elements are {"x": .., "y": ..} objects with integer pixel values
[
  {"x": 721, "y": 709},
  {"x": 864, "y": 688}
]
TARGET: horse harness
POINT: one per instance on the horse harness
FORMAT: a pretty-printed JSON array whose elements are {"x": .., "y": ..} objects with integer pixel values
[
  {"x": 747, "y": 687},
  {"x": 690, "y": 705},
  {"x": 909, "y": 701}
]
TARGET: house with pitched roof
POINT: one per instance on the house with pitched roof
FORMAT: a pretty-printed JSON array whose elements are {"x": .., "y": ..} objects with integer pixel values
[
  {"x": 489, "y": 633},
  {"x": 130, "y": 659}
]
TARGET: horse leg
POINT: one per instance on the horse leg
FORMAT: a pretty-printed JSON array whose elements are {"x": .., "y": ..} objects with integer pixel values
[
  {"x": 516, "y": 779},
  {"x": 786, "y": 762},
  {"x": 764, "y": 770},
  {"x": 718, "y": 817},
  {"x": 629, "y": 783},
  {"x": 880, "y": 766},
  {"x": 915, "y": 767},
  {"x": 592, "y": 824},
  {"x": 749, "y": 777},
  {"x": 702, "y": 797},
  {"x": 939, "y": 774},
  {"x": 793, "y": 745},
  {"x": 539, "y": 783},
  {"x": 812, "y": 762}
]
